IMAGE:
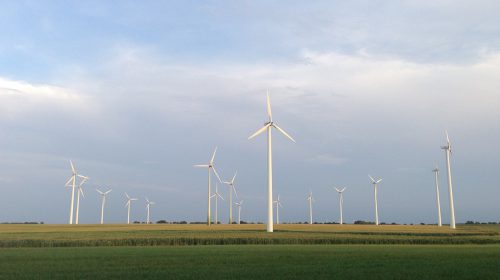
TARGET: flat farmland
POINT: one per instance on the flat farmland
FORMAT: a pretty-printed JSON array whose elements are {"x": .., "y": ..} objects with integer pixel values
[{"x": 15, "y": 236}]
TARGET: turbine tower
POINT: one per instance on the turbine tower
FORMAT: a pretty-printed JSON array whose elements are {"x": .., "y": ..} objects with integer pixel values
[
  {"x": 447, "y": 150},
  {"x": 278, "y": 205},
  {"x": 341, "y": 203},
  {"x": 230, "y": 184},
  {"x": 216, "y": 195},
  {"x": 311, "y": 200},
  {"x": 436, "y": 172},
  {"x": 375, "y": 184},
  {"x": 148, "y": 205},
  {"x": 128, "y": 204},
  {"x": 103, "y": 194},
  {"x": 80, "y": 191},
  {"x": 210, "y": 166},
  {"x": 238, "y": 204},
  {"x": 72, "y": 183},
  {"x": 268, "y": 126}
]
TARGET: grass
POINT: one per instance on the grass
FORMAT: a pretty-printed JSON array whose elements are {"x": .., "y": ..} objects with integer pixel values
[
  {"x": 254, "y": 262},
  {"x": 165, "y": 235}
]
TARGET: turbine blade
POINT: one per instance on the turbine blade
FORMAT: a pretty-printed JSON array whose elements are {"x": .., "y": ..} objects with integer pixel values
[
  {"x": 72, "y": 167},
  {"x": 371, "y": 178},
  {"x": 235, "y": 193},
  {"x": 201, "y": 165},
  {"x": 213, "y": 155},
  {"x": 81, "y": 191},
  {"x": 128, "y": 197},
  {"x": 99, "y": 192},
  {"x": 447, "y": 137},
  {"x": 235, "y": 173},
  {"x": 218, "y": 194},
  {"x": 108, "y": 192},
  {"x": 284, "y": 133},
  {"x": 68, "y": 183},
  {"x": 212, "y": 196},
  {"x": 259, "y": 131},
  {"x": 269, "y": 112},
  {"x": 216, "y": 174},
  {"x": 378, "y": 181}
]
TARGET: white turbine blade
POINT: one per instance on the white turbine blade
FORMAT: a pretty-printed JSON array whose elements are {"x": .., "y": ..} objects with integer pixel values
[
  {"x": 218, "y": 194},
  {"x": 269, "y": 112},
  {"x": 128, "y": 197},
  {"x": 81, "y": 191},
  {"x": 99, "y": 192},
  {"x": 127, "y": 204},
  {"x": 234, "y": 177},
  {"x": 284, "y": 133},
  {"x": 259, "y": 131},
  {"x": 227, "y": 182},
  {"x": 212, "y": 196},
  {"x": 337, "y": 189},
  {"x": 343, "y": 190},
  {"x": 107, "y": 192},
  {"x": 235, "y": 193},
  {"x": 378, "y": 181},
  {"x": 213, "y": 155},
  {"x": 68, "y": 183},
  {"x": 201, "y": 165},
  {"x": 216, "y": 174},
  {"x": 133, "y": 199},
  {"x": 447, "y": 137},
  {"x": 72, "y": 167},
  {"x": 152, "y": 203},
  {"x": 371, "y": 178},
  {"x": 147, "y": 200},
  {"x": 83, "y": 177}
]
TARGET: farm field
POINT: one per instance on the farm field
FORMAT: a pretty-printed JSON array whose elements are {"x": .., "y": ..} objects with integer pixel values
[
  {"x": 291, "y": 252},
  {"x": 155, "y": 235},
  {"x": 254, "y": 262}
]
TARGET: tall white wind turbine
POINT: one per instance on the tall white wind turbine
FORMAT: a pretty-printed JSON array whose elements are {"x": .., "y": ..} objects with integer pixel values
[
  {"x": 210, "y": 166},
  {"x": 447, "y": 150},
  {"x": 148, "y": 205},
  {"x": 267, "y": 126},
  {"x": 278, "y": 205},
  {"x": 80, "y": 191},
  {"x": 128, "y": 204},
  {"x": 375, "y": 185},
  {"x": 341, "y": 203},
  {"x": 311, "y": 200},
  {"x": 230, "y": 184},
  {"x": 103, "y": 194},
  {"x": 216, "y": 195},
  {"x": 72, "y": 183},
  {"x": 239, "y": 204},
  {"x": 436, "y": 173}
]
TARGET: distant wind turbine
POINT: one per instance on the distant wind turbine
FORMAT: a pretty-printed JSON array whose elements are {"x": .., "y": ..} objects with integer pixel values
[
  {"x": 128, "y": 204},
  {"x": 216, "y": 195},
  {"x": 80, "y": 191},
  {"x": 341, "y": 203},
  {"x": 148, "y": 205},
  {"x": 267, "y": 126},
  {"x": 278, "y": 205},
  {"x": 103, "y": 194},
  {"x": 311, "y": 200},
  {"x": 239, "y": 204},
  {"x": 375, "y": 184},
  {"x": 230, "y": 184},
  {"x": 447, "y": 149},
  {"x": 72, "y": 183},
  {"x": 436, "y": 172},
  {"x": 210, "y": 166}
]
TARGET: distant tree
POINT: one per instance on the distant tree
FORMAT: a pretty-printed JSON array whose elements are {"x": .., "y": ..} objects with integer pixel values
[{"x": 161, "y": 222}]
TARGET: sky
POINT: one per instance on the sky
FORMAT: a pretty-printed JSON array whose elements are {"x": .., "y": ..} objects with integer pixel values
[{"x": 136, "y": 93}]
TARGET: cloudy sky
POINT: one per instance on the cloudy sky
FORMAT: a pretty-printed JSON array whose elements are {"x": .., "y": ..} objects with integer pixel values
[{"x": 136, "y": 93}]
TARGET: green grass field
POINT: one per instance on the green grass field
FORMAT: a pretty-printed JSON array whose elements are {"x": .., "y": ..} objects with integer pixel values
[{"x": 291, "y": 252}]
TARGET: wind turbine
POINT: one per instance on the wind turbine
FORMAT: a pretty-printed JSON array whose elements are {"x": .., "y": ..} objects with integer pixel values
[
  {"x": 230, "y": 184},
  {"x": 341, "y": 203},
  {"x": 311, "y": 200},
  {"x": 210, "y": 167},
  {"x": 436, "y": 172},
  {"x": 216, "y": 195},
  {"x": 267, "y": 126},
  {"x": 80, "y": 191},
  {"x": 447, "y": 149},
  {"x": 128, "y": 204},
  {"x": 72, "y": 183},
  {"x": 148, "y": 204},
  {"x": 238, "y": 204},
  {"x": 278, "y": 205},
  {"x": 103, "y": 194},
  {"x": 375, "y": 184}
]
